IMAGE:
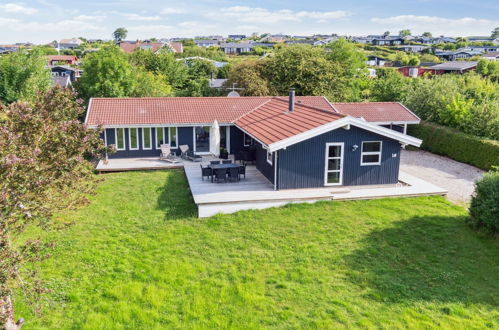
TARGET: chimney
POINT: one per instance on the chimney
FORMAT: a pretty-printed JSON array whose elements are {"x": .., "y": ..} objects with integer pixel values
[{"x": 291, "y": 99}]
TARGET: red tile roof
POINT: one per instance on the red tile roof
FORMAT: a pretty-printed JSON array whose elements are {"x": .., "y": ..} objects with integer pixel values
[
  {"x": 179, "y": 110},
  {"x": 378, "y": 112},
  {"x": 131, "y": 47},
  {"x": 71, "y": 58},
  {"x": 177, "y": 47},
  {"x": 272, "y": 122}
]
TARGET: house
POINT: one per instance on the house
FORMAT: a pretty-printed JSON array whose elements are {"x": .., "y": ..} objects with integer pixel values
[
  {"x": 155, "y": 47},
  {"x": 235, "y": 48},
  {"x": 483, "y": 39},
  {"x": 413, "y": 71},
  {"x": 455, "y": 55},
  {"x": 69, "y": 43},
  {"x": 413, "y": 48},
  {"x": 236, "y": 36},
  {"x": 54, "y": 60},
  {"x": 453, "y": 67},
  {"x": 373, "y": 60},
  {"x": 297, "y": 142},
  {"x": 388, "y": 41},
  {"x": 217, "y": 83},
  {"x": 65, "y": 71},
  {"x": 275, "y": 38},
  {"x": 62, "y": 81},
  {"x": 492, "y": 56},
  {"x": 483, "y": 49},
  {"x": 206, "y": 43},
  {"x": 7, "y": 49},
  {"x": 175, "y": 47}
]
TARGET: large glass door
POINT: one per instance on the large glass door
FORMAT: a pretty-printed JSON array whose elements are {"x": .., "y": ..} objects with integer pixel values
[
  {"x": 202, "y": 136},
  {"x": 334, "y": 164}
]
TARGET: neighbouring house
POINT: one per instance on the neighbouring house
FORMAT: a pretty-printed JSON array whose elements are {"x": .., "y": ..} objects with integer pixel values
[
  {"x": 69, "y": 43},
  {"x": 275, "y": 38},
  {"x": 412, "y": 71},
  {"x": 217, "y": 83},
  {"x": 62, "y": 81},
  {"x": 413, "y": 48},
  {"x": 483, "y": 49},
  {"x": 491, "y": 56},
  {"x": 235, "y": 48},
  {"x": 206, "y": 43},
  {"x": 388, "y": 41},
  {"x": 7, "y": 49},
  {"x": 456, "y": 55},
  {"x": 236, "y": 36},
  {"x": 175, "y": 47},
  {"x": 373, "y": 60},
  {"x": 483, "y": 39},
  {"x": 297, "y": 142},
  {"x": 453, "y": 67},
  {"x": 217, "y": 64},
  {"x": 155, "y": 47},
  {"x": 65, "y": 71},
  {"x": 54, "y": 60}
]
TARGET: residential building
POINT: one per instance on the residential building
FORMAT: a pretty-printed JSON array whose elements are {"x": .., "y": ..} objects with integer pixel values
[
  {"x": 492, "y": 56},
  {"x": 453, "y": 67},
  {"x": 206, "y": 42},
  {"x": 373, "y": 60},
  {"x": 155, "y": 47},
  {"x": 236, "y": 36},
  {"x": 236, "y": 48},
  {"x": 69, "y": 43},
  {"x": 388, "y": 41},
  {"x": 413, "y": 48},
  {"x": 62, "y": 59},
  {"x": 455, "y": 55},
  {"x": 297, "y": 142}
]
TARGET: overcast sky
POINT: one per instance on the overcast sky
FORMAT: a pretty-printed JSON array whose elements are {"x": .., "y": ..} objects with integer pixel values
[{"x": 46, "y": 20}]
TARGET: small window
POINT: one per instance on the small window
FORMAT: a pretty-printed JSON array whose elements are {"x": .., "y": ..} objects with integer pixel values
[
  {"x": 371, "y": 153},
  {"x": 247, "y": 140},
  {"x": 120, "y": 138},
  {"x": 269, "y": 157},
  {"x": 146, "y": 138},
  {"x": 133, "y": 135},
  {"x": 160, "y": 137},
  {"x": 173, "y": 137}
]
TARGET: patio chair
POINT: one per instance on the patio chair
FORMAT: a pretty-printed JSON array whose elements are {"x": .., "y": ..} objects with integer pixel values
[
  {"x": 234, "y": 174},
  {"x": 167, "y": 154},
  {"x": 193, "y": 157},
  {"x": 214, "y": 162},
  {"x": 242, "y": 170},
  {"x": 219, "y": 174},
  {"x": 206, "y": 171},
  {"x": 184, "y": 148},
  {"x": 227, "y": 161}
]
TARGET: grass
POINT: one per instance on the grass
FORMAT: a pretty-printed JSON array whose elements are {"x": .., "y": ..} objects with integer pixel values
[{"x": 138, "y": 258}]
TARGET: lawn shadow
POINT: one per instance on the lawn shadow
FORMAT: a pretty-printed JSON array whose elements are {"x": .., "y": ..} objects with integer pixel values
[
  {"x": 175, "y": 197},
  {"x": 432, "y": 258}
]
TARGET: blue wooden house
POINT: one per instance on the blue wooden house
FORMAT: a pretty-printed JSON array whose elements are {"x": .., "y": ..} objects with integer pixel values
[{"x": 297, "y": 142}]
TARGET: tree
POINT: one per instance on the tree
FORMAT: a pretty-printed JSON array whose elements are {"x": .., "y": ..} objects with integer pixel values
[
  {"x": 120, "y": 34},
  {"x": 389, "y": 86},
  {"x": 23, "y": 75},
  {"x": 404, "y": 33},
  {"x": 109, "y": 74},
  {"x": 386, "y": 34},
  {"x": 248, "y": 75},
  {"x": 495, "y": 33},
  {"x": 349, "y": 56},
  {"x": 43, "y": 169},
  {"x": 427, "y": 34}
]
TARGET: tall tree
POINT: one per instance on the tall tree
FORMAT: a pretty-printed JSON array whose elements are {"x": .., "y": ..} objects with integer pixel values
[
  {"x": 386, "y": 34},
  {"x": 43, "y": 169},
  {"x": 120, "y": 34},
  {"x": 495, "y": 33},
  {"x": 23, "y": 75},
  {"x": 427, "y": 34},
  {"x": 248, "y": 75},
  {"x": 404, "y": 33}
]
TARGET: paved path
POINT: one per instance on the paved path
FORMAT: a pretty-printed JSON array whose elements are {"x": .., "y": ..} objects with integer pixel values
[{"x": 456, "y": 177}]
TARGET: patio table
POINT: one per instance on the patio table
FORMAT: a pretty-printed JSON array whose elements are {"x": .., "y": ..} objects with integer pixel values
[{"x": 222, "y": 166}]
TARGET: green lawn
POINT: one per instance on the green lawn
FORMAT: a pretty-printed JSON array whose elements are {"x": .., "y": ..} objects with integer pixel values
[{"x": 138, "y": 258}]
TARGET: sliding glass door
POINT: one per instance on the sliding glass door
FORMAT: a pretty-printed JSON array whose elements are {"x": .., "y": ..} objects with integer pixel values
[{"x": 202, "y": 138}]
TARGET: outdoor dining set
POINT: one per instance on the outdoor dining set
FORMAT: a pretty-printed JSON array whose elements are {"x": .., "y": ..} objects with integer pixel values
[{"x": 224, "y": 170}]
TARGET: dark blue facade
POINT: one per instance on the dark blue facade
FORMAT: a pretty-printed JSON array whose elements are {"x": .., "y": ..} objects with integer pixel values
[
  {"x": 261, "y": 162},
  {"x": 302, "y": 165},
  {"x": 141, "y": 152}
]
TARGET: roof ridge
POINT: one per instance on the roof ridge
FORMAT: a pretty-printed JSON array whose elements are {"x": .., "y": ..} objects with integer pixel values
[
  {"x": 312, "y": 107},
  {"x": 252, "y": 110}
]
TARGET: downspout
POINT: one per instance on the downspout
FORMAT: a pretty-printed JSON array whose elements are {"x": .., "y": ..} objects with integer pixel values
[
  {"x": 105, "y": 141},
  {"x": 275, "y": 170}
]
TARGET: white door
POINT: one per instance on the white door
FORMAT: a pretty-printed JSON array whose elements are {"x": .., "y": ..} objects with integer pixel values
[{"x": 333, "y": 175}]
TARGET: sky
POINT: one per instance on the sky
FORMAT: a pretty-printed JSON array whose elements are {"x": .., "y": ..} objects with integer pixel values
[{"x": 42, "y": 21}]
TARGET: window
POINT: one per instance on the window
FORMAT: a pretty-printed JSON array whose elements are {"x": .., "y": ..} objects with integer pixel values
[
  {"x": 334, "y": 164},
  {"x": 371, "y": 153},
  {"x": 119, "y": 138},
  {"x": 133, "y": 136},
  {"x": 247, "y": 140},
  {"x": 146, "y": 138},
  {"x": 269, "y": 157},
  {"x": 173, "y": 136},
  {"x": 160, "y": 137}
]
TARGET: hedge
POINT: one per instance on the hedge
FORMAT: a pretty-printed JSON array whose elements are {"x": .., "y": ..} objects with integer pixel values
[
  {"x": 484, "y": 208},
  {"x": 462, "y": 147}
]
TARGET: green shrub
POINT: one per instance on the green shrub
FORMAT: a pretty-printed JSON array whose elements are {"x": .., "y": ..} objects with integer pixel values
[
  {"x": 462, "y": 147},
  {"x": 484, "y": 209}
]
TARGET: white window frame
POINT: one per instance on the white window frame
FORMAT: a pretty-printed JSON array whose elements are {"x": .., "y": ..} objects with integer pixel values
[
  {"x": 130, "y": 138},
  {"x": 271, "y": 157},
  {"x": 143, "y": 138},
  {"x": 326, "y": 158},
  {"x": 162, "y": 129},
  {"x": 176, "y": 140},
  {"x": 116, "y": 139},
  {"x": 367, "y": 153}
]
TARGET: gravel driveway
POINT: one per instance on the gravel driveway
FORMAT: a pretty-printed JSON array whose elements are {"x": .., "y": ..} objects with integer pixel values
[{"x": 456, "y": 177}]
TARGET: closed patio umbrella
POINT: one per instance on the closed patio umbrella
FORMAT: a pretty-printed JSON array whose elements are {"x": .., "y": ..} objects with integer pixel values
[{"x": 215, "y": 139}]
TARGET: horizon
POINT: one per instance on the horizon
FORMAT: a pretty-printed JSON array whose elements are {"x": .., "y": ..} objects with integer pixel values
[{"x": 42, "y": 21}]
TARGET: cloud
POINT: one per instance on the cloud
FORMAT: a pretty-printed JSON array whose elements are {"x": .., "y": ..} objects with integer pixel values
[
  {"x": 136, "y": 17},
  {"x": 168, "y": 10},
  {"x": 264, "y": 16},
  {"x": 96, "y": 18},
  {"x": 158, "y": 30},
  {"x": 417, "y": 21},
  {"x": 17, "y": 8},
  {"x": 16, "y": 25}
]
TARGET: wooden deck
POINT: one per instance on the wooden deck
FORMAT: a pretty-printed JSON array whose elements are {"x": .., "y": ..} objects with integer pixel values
[
  {"x": 135, "y": 164},
  {"x": 256, "y": 192}
]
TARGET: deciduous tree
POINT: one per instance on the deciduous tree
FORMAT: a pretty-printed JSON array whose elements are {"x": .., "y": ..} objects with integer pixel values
[{"x": 120, "y": 34}]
